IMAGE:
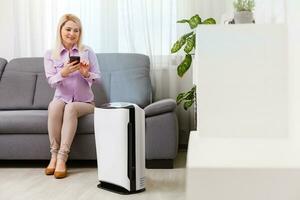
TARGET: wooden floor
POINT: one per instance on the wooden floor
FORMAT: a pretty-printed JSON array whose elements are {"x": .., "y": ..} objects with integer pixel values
[{"x": 19, "y": 181}]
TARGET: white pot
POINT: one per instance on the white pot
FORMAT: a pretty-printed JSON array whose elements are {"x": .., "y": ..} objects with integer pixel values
[{"x": 243, "y": 17}]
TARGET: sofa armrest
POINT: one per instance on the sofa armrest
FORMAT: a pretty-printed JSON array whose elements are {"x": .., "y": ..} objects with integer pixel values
[
  {"x": 159, "y": 107},
  {"x": 3, "y": 62}
]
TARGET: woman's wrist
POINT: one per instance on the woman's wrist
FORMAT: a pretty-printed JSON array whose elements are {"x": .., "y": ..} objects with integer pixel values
[
  {"x": 86, "y": 75},
  {"x": 63, "y": 74}
]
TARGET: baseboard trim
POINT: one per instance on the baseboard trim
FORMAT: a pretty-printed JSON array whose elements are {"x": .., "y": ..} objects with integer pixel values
[{"x": 160, "y": 164}]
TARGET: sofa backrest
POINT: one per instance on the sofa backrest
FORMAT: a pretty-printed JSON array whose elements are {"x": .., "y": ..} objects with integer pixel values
[
  {"x": 3, "y": 62},
  {"x": 125, "y": 77},
  {"x": 23, "y": 85}
]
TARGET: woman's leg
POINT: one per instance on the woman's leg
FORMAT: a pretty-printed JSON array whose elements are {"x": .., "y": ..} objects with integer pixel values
[
  {"x": 55, "y": 118},
  {"x": 72, "y": 112}
]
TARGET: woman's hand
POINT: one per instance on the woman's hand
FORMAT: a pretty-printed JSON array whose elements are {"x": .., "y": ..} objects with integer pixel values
[
  {"x": 69, "y": 68},
  {"x": 85, "y": 68}
]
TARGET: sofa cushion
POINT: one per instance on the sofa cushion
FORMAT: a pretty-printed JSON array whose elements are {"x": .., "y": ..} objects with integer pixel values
[
  {"x": 29, "y": 65},
  {"x": 43, "y": 93},
  {"x": 100, "y": 94},
  {"x": 125, "y": 77},
  {"x": 3, "y": 62},
  {"x": 16, "y": 90},
  {"x": 23, "y": 121},
  {"x": 109, "y": 62},
  {"x": 35, "y": 121},
  {"x": 86, "y": 124},
  {"x": 19, "y": 83},
  {"x": 131, "y": 86}
]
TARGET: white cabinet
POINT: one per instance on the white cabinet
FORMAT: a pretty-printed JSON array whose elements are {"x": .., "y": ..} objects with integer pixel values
[
  {"x": 242, "y": 79},
  {"x": 247, "y": 74},
  {"x": 242, "y": 74}
]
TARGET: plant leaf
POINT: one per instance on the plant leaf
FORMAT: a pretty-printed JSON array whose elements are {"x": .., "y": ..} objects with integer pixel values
[
  {"x": 188, "y": 104},
  {"x": 190, "y": 95},
  {"x": 209, "y": 21},
  {"x": 194, "y": 21},
  {"x": 179, "y": 43},
  {"x": 188, "y": 34},
  {"x": 190, "y": 43},
  {"x": 183, "y": 21},
  {"x": 188, "y": 98},
  {"x": 180, "y": 97},
  {"x": 194, "y": 89},
  {"x": 184, "y": 65}
]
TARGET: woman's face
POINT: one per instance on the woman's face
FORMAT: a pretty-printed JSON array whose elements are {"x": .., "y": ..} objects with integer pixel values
[{"x": 70, "y": 34}]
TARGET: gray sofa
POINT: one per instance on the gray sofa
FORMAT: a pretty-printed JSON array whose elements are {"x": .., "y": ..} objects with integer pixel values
[{"x": 25, "y": 95}]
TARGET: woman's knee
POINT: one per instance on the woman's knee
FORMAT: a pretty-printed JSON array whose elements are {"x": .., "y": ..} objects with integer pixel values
[
  {"x": 70, "y": 110},
  {"x": 56, "y": 108}
]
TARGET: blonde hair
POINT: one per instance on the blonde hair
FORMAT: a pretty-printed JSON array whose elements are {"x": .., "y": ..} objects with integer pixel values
[{"x": 63, "y": 20}]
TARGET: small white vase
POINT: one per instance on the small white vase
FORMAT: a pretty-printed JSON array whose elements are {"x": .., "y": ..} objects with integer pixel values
[{"x": 243, "y": 17}]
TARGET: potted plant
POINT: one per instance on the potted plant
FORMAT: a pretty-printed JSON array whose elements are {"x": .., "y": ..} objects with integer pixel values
[
  {"x": 243, "y": 11},
  {"x": 188, "y": 40}
]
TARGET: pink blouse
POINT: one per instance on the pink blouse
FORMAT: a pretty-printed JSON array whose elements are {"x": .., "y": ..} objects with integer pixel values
[{"x": 74, "y": 87}]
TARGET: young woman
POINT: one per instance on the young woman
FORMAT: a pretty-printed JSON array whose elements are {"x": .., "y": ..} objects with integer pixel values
[{"x": 73, "y": 96}]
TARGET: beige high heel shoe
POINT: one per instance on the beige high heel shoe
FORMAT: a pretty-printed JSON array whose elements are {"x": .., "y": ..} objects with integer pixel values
[
  {"x": 49, "y": 171},
  {"x": 60, "y": 174}
]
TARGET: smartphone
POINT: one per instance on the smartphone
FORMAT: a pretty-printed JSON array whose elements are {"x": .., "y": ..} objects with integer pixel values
[{"x": 75, "y": 58}]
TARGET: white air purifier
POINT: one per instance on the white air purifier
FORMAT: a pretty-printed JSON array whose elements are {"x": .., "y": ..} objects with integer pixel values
[{"x": 120, "y": 143}]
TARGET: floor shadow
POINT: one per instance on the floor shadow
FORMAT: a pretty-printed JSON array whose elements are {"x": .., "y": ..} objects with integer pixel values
[
  {"x": 44, "y": 163},
  {"x": 180, "y": 162}
]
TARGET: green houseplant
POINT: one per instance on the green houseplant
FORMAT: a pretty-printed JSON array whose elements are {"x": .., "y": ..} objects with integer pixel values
[
  {"x": 188, "y": 41},
  {"x": 243, "y": 11}
]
